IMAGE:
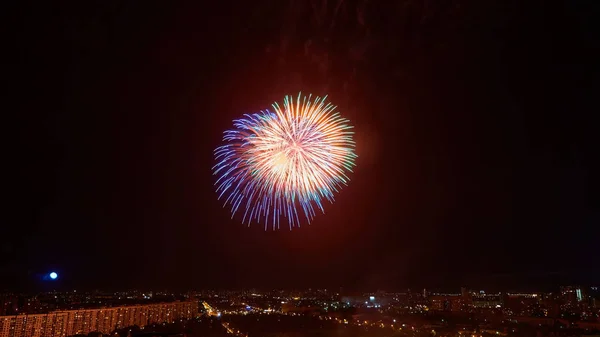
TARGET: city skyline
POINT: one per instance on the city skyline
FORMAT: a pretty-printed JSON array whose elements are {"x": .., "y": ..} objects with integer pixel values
[{"x": 571, "y": 310}]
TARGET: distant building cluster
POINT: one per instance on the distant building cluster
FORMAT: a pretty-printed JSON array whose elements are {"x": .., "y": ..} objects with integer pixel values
[
  {"x": 573, "y": 311},
  {"x": 104, "y": 320}
]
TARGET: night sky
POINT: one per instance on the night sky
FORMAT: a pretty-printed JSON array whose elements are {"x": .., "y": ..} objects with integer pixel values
[{"x": 475, "y": 127}]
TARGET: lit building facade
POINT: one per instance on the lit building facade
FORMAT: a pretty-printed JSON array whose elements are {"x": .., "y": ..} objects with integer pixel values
[
  {"x": 573, "y": 294},
  {"x": 447, "y": 302},
  {"x": 104, "y": 320},
  {"x": 489, "y": 301}
]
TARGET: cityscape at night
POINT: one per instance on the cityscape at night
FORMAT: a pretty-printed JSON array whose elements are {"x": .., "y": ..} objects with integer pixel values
[
  {"x": 301, "y": 168},
  {"x": 570, "y": 310}
]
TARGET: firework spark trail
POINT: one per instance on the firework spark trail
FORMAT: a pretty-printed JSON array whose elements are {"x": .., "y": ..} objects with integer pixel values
[{"x": 273, "y": 162}]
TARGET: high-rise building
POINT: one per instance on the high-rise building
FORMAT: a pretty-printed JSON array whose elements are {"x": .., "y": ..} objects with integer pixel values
[
  {"x": 573, "y": 294},
  {"x": 446, "y": 302},
  {"x": 483, "y": 300},
  {"x": 521, "y": 304},
  {"x": 104, "y": 320}
]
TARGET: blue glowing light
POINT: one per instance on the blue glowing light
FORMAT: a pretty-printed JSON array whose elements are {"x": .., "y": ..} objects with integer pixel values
[{"x": 53, "y": 275}]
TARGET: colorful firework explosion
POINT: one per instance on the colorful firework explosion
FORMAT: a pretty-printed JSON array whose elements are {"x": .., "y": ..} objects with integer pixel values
[{"x": 285, "y": 162}]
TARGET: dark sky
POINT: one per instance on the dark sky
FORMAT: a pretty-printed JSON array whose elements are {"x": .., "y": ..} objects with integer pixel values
[{"x": 475, "y": 123}]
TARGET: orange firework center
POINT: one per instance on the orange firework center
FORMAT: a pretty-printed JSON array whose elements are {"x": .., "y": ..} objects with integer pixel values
[{"x": 286, "y": 157}]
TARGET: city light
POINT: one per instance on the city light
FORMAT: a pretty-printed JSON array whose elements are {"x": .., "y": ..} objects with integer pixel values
[
  {"x": 104, "y": 320},
  {"x": 393, "y": 311}
]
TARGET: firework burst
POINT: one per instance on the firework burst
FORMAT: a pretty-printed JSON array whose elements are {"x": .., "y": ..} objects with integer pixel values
[{"x": 285, "y": 162}]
